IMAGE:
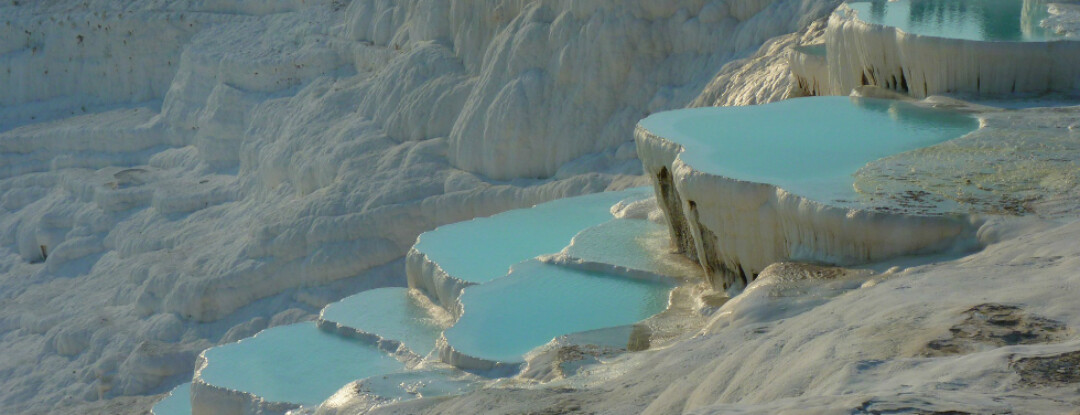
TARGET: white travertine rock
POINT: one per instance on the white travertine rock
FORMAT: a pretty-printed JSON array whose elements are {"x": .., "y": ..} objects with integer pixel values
[
  {"x": 763, "y": 77},
  {"x": 810, "y": 68},
  {"x": 736, "y": 228},
  {"x": 864, "y": 53}
]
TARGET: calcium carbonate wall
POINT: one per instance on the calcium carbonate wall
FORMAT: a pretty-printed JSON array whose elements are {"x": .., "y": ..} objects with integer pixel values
[
  {"x": 863, "y": 53},
  {"x": 737, "y": 228},
  {"x": 810, "y": 69}
]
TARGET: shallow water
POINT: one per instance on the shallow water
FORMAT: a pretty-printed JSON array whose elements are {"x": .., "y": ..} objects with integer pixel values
[
  {"x": 635, "y": 244},
  {"x": 390, "y": 313},
  {"x": 296, "y": 363},
  {"x": 416, "y": 384},
  {"x": 537, "y": 302},
  {"x": 990, "y": 20},
  {"x": 178, "y": 402},
  {"x": 483, "y": 249},
  {"x": 808, "y": 146}
]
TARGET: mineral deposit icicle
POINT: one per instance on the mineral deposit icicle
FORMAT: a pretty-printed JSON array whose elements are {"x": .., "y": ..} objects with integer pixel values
[{"x": 929, "y": 57}]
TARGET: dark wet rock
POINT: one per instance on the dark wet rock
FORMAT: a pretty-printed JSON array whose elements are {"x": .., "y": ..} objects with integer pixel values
[
  {"x": 908, "y": 405},
  {"x": 997, "y": 325},
  {"x": 1057, "y": 370}
]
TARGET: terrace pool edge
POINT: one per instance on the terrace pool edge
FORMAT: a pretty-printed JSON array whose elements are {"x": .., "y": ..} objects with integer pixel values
[
  {"x": 924, "y": 65},
  {"x": 735, "y": 228}
]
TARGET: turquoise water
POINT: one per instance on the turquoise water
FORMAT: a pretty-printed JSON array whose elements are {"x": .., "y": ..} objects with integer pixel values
[
  {"x": 990, "y": 20},
  {"x": 425, "y": 383},
  {"x": 483, "y": 249},
  {"x": 297, "y": 363},
  {"x": 178, "y": 402},
  {"x": 537, "y": 302},
  {"x": 809, "y": 146},
  {"x": 630, "y": 243},
  {"x": 390, "y": 313}
]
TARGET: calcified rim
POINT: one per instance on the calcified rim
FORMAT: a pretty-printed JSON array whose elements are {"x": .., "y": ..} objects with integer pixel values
[
  {"x": 847, "y": 12},
  {"x": 944, "y": 105}
]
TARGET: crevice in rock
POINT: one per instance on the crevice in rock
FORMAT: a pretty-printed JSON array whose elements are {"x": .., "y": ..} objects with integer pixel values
[
  {"x": 1057, "y": 370},
  {"x": 997, "y": 325},
  {"x": 683, "y": 240},
  {"x": 720, "y": 275}
]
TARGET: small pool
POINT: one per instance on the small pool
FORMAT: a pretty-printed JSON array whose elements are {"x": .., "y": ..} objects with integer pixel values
[
  {"x": 390, "y": 313},
  {"x": 809, "y": 146},
  {"x": 483, "y": 249},
  {"x": 415, "y": 384},
  {"x": 634, "y": 244},
  {"x": 177, "y": 402},
  {"x": 296, "y": 363},
  {"x": 536, "y": 302},
  {"x": 981, "y": 20}
]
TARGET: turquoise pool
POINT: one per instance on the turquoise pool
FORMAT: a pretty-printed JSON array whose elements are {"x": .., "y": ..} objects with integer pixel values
[
  {"x": 390, "y": 313},
  {"x": 982, "y": 20},
  {"x": 809, "y": 146},
  {"x": 483, "y": 249},
  {"x": 506, "y": 318},
  {"x": 177, "y": 402},
  {"x": 634, "y": 244},
  {"x": 296, "y": 363}
]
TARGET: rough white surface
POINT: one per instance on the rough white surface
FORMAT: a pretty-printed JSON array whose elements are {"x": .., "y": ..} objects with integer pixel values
[
  {"x": 763, "y": 77},
  {"x": 370, "y": 393},
  {"x": 810, "y": 69},
  {"x": 863, "y": 53},
  {"x": 1064, "y": 19},
  {"x": 1024, "y": 161}
]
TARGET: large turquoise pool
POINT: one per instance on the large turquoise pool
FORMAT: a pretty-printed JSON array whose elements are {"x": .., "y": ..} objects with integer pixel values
[
  {"x": 983, "y": 20},
  {"x": 808, "y": 146},
  {"x": 483, "y": 249},
  {"x": 537, "y": 302},
  {"x": 297, "y": 363}
]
